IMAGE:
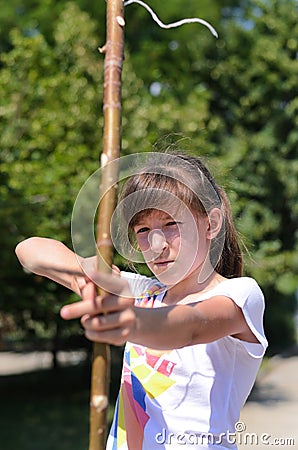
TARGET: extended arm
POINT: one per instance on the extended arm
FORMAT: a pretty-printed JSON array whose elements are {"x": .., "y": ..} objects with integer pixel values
[
  {"x": 52, "y": 259},
  {"x": 115, "y": 319},
  {"x": 195, "y": 323}
]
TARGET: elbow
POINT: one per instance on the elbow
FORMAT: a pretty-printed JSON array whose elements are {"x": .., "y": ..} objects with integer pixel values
[
  {"x": 24, "y": 251},
  {"x": 20, "y": 252}
]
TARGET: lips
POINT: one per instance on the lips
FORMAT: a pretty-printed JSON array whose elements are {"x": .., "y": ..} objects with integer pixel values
[{"x": 163, "y": 263}]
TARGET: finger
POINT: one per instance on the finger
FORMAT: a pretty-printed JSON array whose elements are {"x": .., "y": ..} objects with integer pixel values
[
  {"x": 116, "y": 270},
  {"x": 81, "y": 282},
  {"x": 97, "y": 305},
  {"x": 122, "y": 319},
  {"x": 78, "y": 309},
  {"x": 114, "y": 337},
  {"x": 77, "y": 284},
  {"x": 88, "y": 291}
]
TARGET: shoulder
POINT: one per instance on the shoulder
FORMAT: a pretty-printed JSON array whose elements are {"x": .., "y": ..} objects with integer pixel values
[
  {"x": 247, "y": 294},
  {"x": 244, "y": 291},
  {"x": 241, "y": 288},
  {"x": 240, "y": 282}
]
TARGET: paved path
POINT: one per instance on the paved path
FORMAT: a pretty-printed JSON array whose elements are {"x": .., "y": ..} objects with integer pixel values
[
  {"x": 270, "y": 419},
  {"x": 19, "y": 362}
]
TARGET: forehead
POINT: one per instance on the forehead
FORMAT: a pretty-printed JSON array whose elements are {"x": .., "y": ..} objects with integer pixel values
[
  {"x": 150, "y": 214},
  {"x": 163, "y": 215}
]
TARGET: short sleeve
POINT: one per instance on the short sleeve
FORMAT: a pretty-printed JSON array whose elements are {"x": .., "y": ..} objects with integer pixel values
[
  {"x": 246, "y": 293},
  {"x": 139, "y": 283}
]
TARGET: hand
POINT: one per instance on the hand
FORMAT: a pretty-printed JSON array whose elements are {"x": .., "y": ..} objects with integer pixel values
[
  {"x": 106, "y": 318},
  {"x": 78, "y": 282}
]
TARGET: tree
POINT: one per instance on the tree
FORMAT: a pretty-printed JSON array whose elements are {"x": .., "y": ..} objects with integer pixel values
[
  {"x": 235, "y": 98},
  {"x": 49, "y": 145},
  {"x": 254, "y": 104}
]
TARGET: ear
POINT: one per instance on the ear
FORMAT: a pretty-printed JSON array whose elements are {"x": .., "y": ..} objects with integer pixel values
[{"x": 214, "y": 223}]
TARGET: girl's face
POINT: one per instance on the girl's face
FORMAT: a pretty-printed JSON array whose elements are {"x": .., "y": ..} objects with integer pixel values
[{"x": 173, "y": 246}]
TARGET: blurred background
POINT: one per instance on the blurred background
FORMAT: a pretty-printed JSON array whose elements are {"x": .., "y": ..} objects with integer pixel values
[{"x": 235, "y": 98}]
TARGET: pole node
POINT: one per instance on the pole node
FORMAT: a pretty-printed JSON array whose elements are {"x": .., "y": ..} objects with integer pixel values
[
  {"x": 102, "y": 49},
  {"x": 120, "y": 21}
]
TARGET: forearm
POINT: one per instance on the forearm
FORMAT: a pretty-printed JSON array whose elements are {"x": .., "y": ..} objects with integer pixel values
[
  {"x": 164, "y": 328},
  {"x": 181, "y": 325},
  {"x": 49, "y": 258},
  {"x": 113, "y": 318}
]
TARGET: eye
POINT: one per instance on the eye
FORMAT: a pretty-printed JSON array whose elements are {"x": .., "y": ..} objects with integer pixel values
[
  {"x": 172, "y": 223},
  {"x": 142, "y": 230}
]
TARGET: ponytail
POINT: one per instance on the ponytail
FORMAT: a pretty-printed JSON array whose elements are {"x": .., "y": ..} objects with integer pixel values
[{"x": 230, "y": 264}]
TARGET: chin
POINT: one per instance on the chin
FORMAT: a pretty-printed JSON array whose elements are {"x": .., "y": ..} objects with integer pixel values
[{"x": 169, "y": 279}]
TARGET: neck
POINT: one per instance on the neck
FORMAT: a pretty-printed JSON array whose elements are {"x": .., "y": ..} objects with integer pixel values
[{"x": 191, "y": 285}]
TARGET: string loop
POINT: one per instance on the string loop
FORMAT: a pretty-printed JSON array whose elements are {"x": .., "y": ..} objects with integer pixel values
[{"x": 174, "y": 24}]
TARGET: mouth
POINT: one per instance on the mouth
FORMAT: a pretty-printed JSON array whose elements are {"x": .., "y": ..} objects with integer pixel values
[{"x": 163, "y": 263}]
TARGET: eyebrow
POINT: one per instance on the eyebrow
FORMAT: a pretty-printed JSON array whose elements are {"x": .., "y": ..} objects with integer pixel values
[{"x": 163, "y": 216}]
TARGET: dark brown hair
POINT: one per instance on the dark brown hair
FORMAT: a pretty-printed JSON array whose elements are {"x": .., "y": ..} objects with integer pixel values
[{"x": 177, "y": 177}]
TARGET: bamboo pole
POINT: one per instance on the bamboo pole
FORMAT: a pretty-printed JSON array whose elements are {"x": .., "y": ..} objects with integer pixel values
[{"x": 113, "y": 50}]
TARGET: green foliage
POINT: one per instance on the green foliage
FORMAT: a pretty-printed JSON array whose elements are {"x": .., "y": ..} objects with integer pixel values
[
  {"x": 235, "y": 98},
  {"x": 257, "y": 72},
  {"x": 50, "y": 142},
  {"x": 44, "y": 119}
]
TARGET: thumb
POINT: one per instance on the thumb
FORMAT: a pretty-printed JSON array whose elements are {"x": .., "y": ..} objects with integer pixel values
[
  {"x": 116, "y": 270},
  {"x": 111, "y": 283}
]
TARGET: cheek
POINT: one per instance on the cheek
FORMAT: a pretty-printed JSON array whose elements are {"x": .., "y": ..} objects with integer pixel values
[
  {"x": 145, "y": 248},
  {"x": 190, "y": 237},
  {"x": 143, "y": 242},
  {"x": 177, "y": 244},
  {"x": 192, "y": 245}
]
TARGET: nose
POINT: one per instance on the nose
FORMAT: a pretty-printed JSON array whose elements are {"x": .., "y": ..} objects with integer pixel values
[{"x": 157, "y": 241}]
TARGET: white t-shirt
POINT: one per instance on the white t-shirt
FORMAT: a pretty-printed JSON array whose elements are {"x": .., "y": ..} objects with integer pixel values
[{"x": 189, "y": 397}]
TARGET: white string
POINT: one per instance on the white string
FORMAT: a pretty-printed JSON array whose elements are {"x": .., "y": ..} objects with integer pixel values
[{"x": 174, "y": 24}]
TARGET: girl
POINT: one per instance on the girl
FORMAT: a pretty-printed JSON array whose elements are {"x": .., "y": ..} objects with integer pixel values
[{"x": 194, "y": 338}]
